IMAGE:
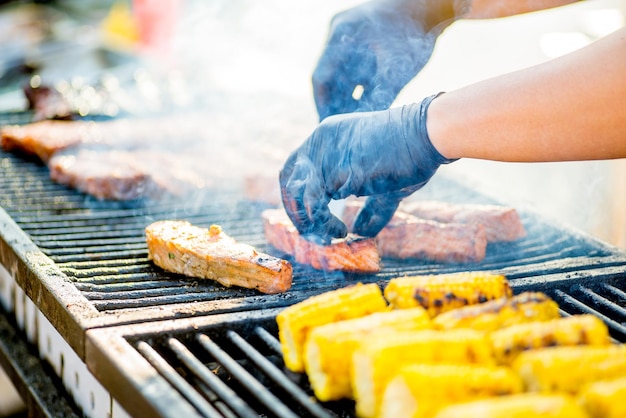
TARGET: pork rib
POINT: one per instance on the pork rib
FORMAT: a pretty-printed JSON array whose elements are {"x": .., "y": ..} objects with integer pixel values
[
  {"x": 180, "y": 247},
  {"x": 352, "y": 254}
]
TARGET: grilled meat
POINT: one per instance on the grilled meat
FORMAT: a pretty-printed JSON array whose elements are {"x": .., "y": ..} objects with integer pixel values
[
  {"x": 357, "y": 255},
  {"x": 501, "y": 223},
  {"x": 407, "y": 236},
  {"x": 180, "y": 247}
]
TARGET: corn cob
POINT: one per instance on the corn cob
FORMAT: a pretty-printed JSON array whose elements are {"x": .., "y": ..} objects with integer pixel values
[
  {"x": 521, "y": 405},
  {"x": 295, "y": 322},
  {"x": 605, "y": 398},
  {"x": 440, "y": 293},
  {"x": 568, "y": 368},
  {"x": 379, "y": 356},
  {"x": 499, "y": 313},
  {"x": 420, "y": 390},
  {"x": 328, "y": 348},
  {"x": 508, "y": 342}
]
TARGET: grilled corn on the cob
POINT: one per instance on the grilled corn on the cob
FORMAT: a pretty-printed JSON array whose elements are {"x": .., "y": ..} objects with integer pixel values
[
  {"x": 605, "y": 398},
  {"x": 499, "y": 313},
  {"x": 574, "y": 330},
  {"x": 379, "y": 357},
  {"x": 420, "y": 390},
  {"x": 328, "y": 348},
  {"x": 523, "y": 405},
  {"x": 440, "y": 293},
  {"x": 568, "y": 368},
  {"x": 295, "y": 322}
]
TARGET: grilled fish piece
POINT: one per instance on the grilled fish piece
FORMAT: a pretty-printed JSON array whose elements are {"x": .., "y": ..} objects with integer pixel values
[
  {"x": 352, "y": 254},
  {"x": 502, "y": 223},
  {"x": 444, "y": 292},
  {"x": 328, "y": 349},
  {"x": 574, "y": 330},
  {"x": 522, "y": 405},
  {"x": 180, "y": 247},
  {"x": 296, "y": 321},
  {"x": 568, "y": 368},
  {"x": 407, "y": 236},
  {"x": 420, "y": 390}
]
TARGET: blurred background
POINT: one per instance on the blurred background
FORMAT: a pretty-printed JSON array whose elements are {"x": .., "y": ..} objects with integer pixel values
[{"x": 250, "y": 62}]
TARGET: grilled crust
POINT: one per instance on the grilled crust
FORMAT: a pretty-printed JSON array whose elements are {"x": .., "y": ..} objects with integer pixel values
[
  {"x": 501, "y": 223},
  {"x": 44, "y": 138},
  {"x": 180, "y": 247},
  {"x": 407, "y": 236},
  {"x": 356, "y": 255}
]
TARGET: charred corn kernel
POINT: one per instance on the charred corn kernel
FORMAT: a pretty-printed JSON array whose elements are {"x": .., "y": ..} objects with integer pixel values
[
  {"x": 574, "y": 330},
  {"x": 499, "y": 313},
  {"x": 440, "y": 293},
  {"x": 420, "y": 390},
  {"x": 605, "y": 398},
  {"x": 523, "y": 405},
  {"x": 567, "y": 369},
  {"x": 328, "y": 349},
  {"x": 295, "y": 322},
  {"x": 379, "y": 356}
]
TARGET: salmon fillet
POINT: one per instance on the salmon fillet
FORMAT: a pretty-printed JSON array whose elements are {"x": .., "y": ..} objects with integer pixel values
[
  {"x": 180, "y": 247},
  {"x": 501, "y": 223},
  {"x": 353, "y": 254},
  {"x": 407, "y": 236}
]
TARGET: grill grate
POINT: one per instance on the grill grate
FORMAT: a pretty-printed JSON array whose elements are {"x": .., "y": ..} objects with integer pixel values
[{"x": 233, "y": 364}]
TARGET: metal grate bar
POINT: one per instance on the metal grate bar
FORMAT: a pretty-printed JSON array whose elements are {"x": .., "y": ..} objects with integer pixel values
[
  {"x": 256, "y": 389},
  {"x": 277, "y": 376},
  {"x": 201, "y": 372},
  {"x": 177, "y": 381}
]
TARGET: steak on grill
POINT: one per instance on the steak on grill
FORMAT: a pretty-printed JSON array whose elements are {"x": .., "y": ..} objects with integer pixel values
[
  {"x": 353, "y": 254},
  {"x": 180, "y": 247},
  {"x": 501, "y": 223},
  {"x": 407, "y": 236}
]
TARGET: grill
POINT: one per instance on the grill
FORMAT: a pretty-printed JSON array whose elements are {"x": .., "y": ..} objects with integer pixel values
[{"x": 76, "y": 275}]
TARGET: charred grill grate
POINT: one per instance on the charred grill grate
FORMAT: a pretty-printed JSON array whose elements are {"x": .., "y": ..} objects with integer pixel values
[
  {"x": 233, "y": 365},
  {"x": 100, "y": 245}
]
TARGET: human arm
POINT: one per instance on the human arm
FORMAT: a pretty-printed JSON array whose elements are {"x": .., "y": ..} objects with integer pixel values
[
  {"x": 569, "y": 108},
  {"x": 374, "y": 49}
]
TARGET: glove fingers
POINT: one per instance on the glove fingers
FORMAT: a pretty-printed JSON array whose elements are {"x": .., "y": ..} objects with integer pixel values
[
  {"x": 306, "y": 202},
  {"x": 375, "y": 214}
]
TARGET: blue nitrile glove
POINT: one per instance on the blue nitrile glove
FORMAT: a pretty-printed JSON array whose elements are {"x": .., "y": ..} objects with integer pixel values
[
  {"x": 386, "y": 155},
  {"x": 380, "y": 45}
]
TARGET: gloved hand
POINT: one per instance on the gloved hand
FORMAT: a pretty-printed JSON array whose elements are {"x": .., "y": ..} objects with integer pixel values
[
  {"x": 380, "y": 45},
  {"x": 386, "y": 155}
]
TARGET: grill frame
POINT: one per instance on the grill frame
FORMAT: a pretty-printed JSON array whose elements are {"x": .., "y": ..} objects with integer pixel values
[
  {"x": 226, "y": 331},
  {"x": 38, "y": 217}
]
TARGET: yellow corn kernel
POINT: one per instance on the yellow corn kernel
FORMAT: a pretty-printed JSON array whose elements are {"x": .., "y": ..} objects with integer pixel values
[
  {"x": 420, "y": 390},
  {"x": 328, "y": 348},
  {"x": 523, "y": 405},
  {"x": 379, "y": 357},
  {"x": 568, "y": 368},
  {"x": 295, "y": 322},
  {"x": 500, "y": 313},
  {"x": 443, "y": 292},
  {"x": 605, "y": 398},
  {"x": 574, "y": 330}
]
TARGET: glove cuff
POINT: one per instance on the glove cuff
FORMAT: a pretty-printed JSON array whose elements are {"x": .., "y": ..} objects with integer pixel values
[{"x": 423, "y": 132}]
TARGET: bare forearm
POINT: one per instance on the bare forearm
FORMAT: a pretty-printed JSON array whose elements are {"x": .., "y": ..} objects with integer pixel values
[
  {"x": 570, "y": 108},
  {"x": 485, "y": 9}
]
